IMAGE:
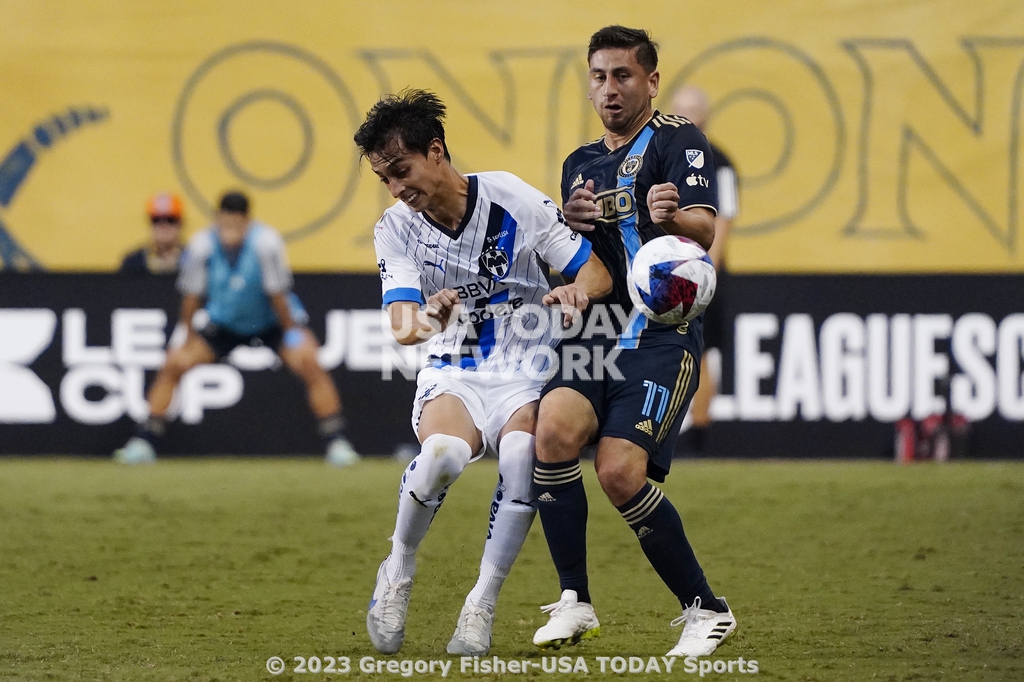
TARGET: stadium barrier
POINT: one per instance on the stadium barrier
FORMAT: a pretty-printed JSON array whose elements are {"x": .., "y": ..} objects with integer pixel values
[{"x": 824, "y": 366}]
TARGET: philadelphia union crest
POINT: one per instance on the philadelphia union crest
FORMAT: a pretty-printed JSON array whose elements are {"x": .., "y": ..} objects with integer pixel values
[{"x": 631, "y": 166}]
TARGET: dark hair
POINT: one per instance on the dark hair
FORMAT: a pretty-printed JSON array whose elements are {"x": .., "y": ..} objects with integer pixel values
[
  {"x": 234, "y": 202},
  {"x": 619, "y": 37},
  {"x": 413, "y": 116}
]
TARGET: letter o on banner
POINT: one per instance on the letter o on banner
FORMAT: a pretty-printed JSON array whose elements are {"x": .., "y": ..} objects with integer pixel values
[
  {"x": 276, "y": 121},
  {"x": 788, "y": 135}
]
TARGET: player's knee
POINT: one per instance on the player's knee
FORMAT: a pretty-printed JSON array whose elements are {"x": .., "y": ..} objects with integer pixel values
[
  {"x": 305, "y": 364},
  {"x": 442, "y": 458},
  {"x": 177, "y": 364},
  {"x": 515, "y": 464},
  {"x": 558, "y": 440},
  {"x": 620, "y": 478}
]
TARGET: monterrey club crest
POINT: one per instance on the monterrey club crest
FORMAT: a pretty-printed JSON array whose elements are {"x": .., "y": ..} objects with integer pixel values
[
  {"x": 495, "y": 261},
  {"x": 631, "y": 166}
]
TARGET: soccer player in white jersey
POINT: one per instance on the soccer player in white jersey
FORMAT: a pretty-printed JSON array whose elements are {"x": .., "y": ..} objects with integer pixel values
[{"x": 459, "y": 270}]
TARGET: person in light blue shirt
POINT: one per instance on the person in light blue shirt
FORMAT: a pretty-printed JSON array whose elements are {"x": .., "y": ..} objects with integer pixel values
[{"x": 236, "y": 290}]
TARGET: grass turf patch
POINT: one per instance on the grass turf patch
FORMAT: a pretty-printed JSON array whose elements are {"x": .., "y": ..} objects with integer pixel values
[{"x": 201, "y": 570}]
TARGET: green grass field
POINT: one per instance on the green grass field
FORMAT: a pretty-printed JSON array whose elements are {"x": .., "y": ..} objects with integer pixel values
[{"x": 202, "y": 570}]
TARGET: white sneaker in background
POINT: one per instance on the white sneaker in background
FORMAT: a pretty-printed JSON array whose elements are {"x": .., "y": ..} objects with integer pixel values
[
  {"x": 135, "y": 451},
  {"x": 340, "y": 453}
]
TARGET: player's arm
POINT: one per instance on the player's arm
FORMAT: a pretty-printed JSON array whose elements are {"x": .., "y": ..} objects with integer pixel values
[
  {"x": 550, "y": 233},
  {"x": 696, "y": 222},
  {"x": 279, "y": 303},
  {"x": 592, "y": 281},
  {"x": 193, "y": 278},
  {"x": 190, "y": 305},
  {"x": 277, "y": 279},
  {"x": 412, "y": 324},
  {"x": 682, "y": 199}
]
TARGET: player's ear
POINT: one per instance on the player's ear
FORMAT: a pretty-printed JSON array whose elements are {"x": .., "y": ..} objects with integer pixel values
[
  {"x": 653, "y": 81},
  {"x": 436, "y": 150}
]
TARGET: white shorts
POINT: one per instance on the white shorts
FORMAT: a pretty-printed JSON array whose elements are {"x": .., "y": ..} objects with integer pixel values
[{"x": 490, "y": 398}]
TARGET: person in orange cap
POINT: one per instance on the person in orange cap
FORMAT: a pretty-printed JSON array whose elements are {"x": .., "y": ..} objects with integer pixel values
[{"x": 163, "y": 254}]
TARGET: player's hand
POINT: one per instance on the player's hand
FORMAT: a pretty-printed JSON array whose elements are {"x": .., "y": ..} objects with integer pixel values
[
  {"x": 581, "y": 210},
  {"x": 573, "y": 300},
  {"x": 663, "y": 202},
  {"x": 440, "y": 307}
]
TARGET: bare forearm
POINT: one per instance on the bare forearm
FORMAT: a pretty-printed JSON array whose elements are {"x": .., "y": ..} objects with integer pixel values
[
  {"x": 284, "y": 314},
  {"x": 696, "y": 223},
  {"x": 594, "y": 279},
  {"x": 190, "y": 304},
  {"x": 409, "y": 324}
]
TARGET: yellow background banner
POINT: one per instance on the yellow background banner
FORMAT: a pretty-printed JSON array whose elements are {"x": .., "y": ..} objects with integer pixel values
[{"x": 869, "y": 137}]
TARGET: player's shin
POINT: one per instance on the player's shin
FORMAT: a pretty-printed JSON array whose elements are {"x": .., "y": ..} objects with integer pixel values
[
  {"x": 424, "y": 485},
  {"x": 511, "y": 515},
  {"x": 660, "y": 530},
  {"x": 561, "y": 502}
]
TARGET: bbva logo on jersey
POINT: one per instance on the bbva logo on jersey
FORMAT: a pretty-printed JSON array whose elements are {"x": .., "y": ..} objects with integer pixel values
[{"x": 496, "y": 262}]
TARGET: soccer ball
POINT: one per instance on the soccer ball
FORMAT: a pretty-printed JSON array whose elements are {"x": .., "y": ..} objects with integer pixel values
[{"x": 672, "y": 279}]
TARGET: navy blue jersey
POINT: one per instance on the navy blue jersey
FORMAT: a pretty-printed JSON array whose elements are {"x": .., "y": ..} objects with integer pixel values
[{"x": 668, "y": 149}]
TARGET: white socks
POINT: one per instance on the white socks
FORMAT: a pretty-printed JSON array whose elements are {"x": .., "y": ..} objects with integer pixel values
[
  {"x": 511, "y": 516},
  {"x": 424, "y": 485}
]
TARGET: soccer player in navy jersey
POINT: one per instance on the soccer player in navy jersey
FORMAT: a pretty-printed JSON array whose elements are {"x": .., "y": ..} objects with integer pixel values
[
  {"x": 649, "y": 175},
  {"x": 236, "y": 275}
]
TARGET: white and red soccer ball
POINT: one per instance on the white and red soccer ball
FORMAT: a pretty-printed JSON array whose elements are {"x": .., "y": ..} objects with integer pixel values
[{"x": 672, "y": 279}]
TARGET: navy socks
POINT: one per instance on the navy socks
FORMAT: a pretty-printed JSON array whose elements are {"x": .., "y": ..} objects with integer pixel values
[
  {"x": 562, "y": 504},
  {"x": 660, "y": 530}
]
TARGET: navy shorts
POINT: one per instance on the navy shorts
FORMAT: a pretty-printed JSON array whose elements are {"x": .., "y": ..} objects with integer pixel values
[
  {"x": 647, "y": 403},
  {"x": 222, "y": 341}
]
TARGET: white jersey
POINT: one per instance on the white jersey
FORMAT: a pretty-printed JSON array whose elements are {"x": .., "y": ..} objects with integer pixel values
[{"x": 491, "y": 262}]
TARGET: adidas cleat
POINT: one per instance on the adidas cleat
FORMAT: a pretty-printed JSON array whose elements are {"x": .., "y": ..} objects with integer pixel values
[
  {"x": 473, "y": 632},
  {"x": 135, "y": 451},
  {"x": 703, "y": 630},
  {"x": 385, "y": 617},
  {"x": 571, "y": 621}
]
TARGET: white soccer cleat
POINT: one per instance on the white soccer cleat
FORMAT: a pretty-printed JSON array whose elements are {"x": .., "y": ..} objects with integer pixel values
[
  {"x": 571, "y": 621},
  {"x": 703, "y": 630},
  {"x": 473, "y": 632},
  {"x": 385, "y": 618},
  {"x": 340, "y": 453},
  {"x": 135, "y": 451}
]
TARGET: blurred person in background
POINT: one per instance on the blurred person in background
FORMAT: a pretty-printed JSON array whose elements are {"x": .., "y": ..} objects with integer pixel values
[
  {"x": 235, "y": 275},
  {"x": 162, "y": 255},
  {"x": 693, "y": 103}
]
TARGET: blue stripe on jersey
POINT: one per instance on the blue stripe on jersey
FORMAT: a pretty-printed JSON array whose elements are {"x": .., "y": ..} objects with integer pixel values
[
  {"x": 582, "y": 254},
  {"x": 630, "y": 337},
  {"x": 630, "y": 235},
  {"x": 403, "y": 294},
  {"x": 498, "y": 248},
  {"x": 487, "y": 330}
]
